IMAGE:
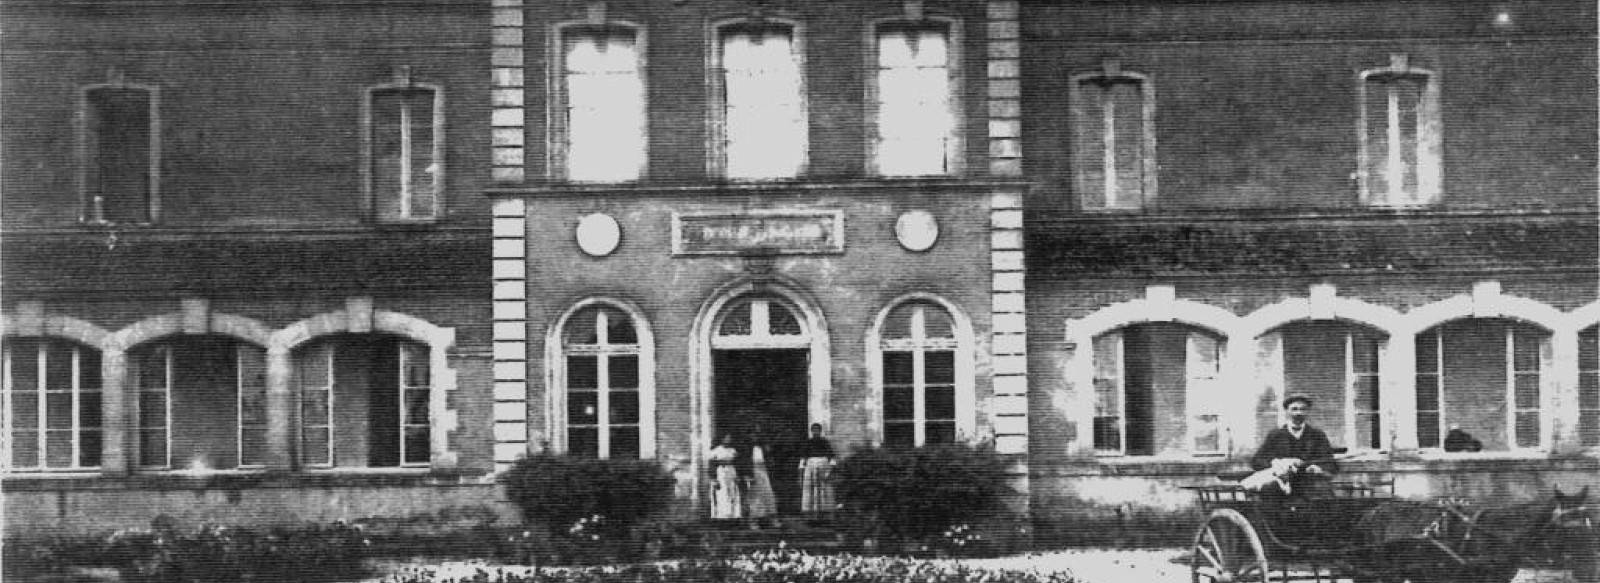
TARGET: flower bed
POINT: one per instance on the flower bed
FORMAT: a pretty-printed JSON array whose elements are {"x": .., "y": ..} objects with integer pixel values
[{"x": 776, "y": 566}]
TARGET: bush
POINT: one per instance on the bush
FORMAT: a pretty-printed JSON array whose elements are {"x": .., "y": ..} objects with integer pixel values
[
  {"x": 579, "y": 498},
  {"x": 919, "y": 494},
  {"x": 213, "y": 553}
]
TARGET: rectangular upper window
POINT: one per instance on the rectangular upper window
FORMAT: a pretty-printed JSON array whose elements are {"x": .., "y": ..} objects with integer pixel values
[
  {"x": 1113, "y": 139},
  {"x": 1400, "y": 136},
  {"x": 915, "y": 100},
  {"x": 405, "y": 139},
  {"x": 119, "y": 146},
  {"x": 602, "y": 97},
  {"x": 763, "y": 129}
]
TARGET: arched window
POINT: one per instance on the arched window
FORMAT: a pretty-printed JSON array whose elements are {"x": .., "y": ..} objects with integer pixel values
[
  {"x": 1486, "y": 377},
  {"x": 364, "y": 402},
  {"x": 52, "y": 405},
  {"x": 602, "y": 382},
  {"x": 919, "y": 375},
  {"x": 1336, "y": 365},
  {"x": 405, "y": 149},
  {"x": 1156, "y": 388},
  {"x": 200, "y": 404},
  {"x": 120, "y": 153},
  {"x": 1114, "y": 138},
  {"x": 1400, "y": 135}
]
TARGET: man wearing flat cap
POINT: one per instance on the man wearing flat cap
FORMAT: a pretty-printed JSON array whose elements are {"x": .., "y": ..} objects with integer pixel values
[{"x": 1299, "y": 456}]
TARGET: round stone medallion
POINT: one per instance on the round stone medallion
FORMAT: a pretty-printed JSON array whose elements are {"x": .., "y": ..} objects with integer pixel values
[
  {"x": 598, "y": 234},
  {"x": 917, "y": 230}
]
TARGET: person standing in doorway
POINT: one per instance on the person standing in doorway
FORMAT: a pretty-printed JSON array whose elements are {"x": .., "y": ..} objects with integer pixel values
[
  {"x": 763, "y": 503},
  {"x": 816, "y": 463},
  {"x": 726, "y": 497}
]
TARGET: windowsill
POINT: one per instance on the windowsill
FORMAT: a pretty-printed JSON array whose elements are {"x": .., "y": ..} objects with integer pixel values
[
  {"x": 246, "y": 479},
  {"x": 737, "y": 187},
  {"x": 1347, "y": 213}
]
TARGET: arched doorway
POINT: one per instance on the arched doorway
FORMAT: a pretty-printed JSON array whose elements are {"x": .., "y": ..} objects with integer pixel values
[{"x": 761, "y": 385}]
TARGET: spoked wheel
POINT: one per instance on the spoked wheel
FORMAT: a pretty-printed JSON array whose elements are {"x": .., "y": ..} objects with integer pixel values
[{"x": 1227, "y": 550}]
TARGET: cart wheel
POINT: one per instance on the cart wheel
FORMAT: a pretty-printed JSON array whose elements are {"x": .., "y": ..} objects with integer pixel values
[{"x": 1227, "y": 550}]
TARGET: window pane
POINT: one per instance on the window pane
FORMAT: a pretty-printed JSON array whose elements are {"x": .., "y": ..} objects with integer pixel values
[
  {"x": 898, "y": 323},
  {"x": 314, "y": 447},
  {"x": 24, "y": 354},
  {"x": 152, "y": 448},
  {"x": 581, "y": 328},
  {"x": 153, "y": 369},
  {"x": 583, "y": 442},
  {"x": 583, "y": 408},
  {"x": 58, "y": 410},
  {"x": 152, "y": 409},
  {"x": 416, "y": 445},
  {"x": 89, "y": 444},
  {"x": 941, "y": 366},
  {"x": 1366, "y": 393},
  {"x": 1427, "y": 352},
  {"x": 898, "y": 435},
  {"x": 1364, "y": 357},
  {"x": 1589, "y": 390},
  {"x": 941, "y": 402},
  {"x": 89, "y": 370},
  {"x": 898, "y": 403},
  {"x": 583, "y": 372},
  {"x": 737, "y": 322},
  {"x": 897, "y": 368},
  {"x": 25, "y": 449},
  {"x": 625, "y": 443},
  {"x": 624, "y": 407},
  {"x": 936, "y": 323},
  {"x": 1589, "y": 349},
  {"x": 941, "y": 432},
  {"x": 314, "y": 407},
  {"x": 1107, "y": 437},
  {"x": 1528, "y": 429},
  {"x": 1367, "y": 431},
  {"x": 619, "y": 328},
  {"x": 1589, "y": 427},
  {"x": 416, "y": 407},
  {"x": 781, "y": 321},
  {"x": 1207, "y": 436},
  {"x": 253, "y": 446},
  {"x": 1427, "y": 393},
  {"x": 25, "y": 410},
  {"x": 1427, "y": 429},
  {"x": 89, "y": 413},
  {"x": 417, "y": 365},
  {"x": 1108, "y": 400},
  {"x": 1527, "y": 391},
  {"x": 58, "y": 449},
  {"x": 58, "y": 366},
  {"x": 624, "y": 371}
]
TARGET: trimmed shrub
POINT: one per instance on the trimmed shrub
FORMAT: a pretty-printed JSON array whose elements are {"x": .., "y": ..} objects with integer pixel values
[
  {"x": 582, "y": 498},
  {"x": 920, "y": 494}
]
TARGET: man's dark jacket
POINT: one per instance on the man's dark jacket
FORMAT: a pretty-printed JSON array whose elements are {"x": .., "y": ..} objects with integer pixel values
[{"x": 1312, "y": 447}]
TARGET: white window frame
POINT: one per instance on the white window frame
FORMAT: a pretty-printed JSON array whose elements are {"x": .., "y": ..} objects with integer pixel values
[
  {"x": 1203, "y": 393},
  {"x": 1111, "y": 199},
  {"x": 325, "y": 386},
  {"x": 1437, "y": 348},
  {"x": 1542, "y": 377},
  {"x": 43, "y": 390},
  {"x": 960, "y": 346},
  {"x": 240, "y": 354},
  {"x": 1352, "y": 378},
  {"x": 1119, "y": 379},
  {"x": 164, "y": 352},
  {"x": 1588, "y": 368},
  {"x": 644, "y": 351},
  {"x": 1428, "y": 128},
  {"x": 954, "y": 142},
  {"x": 92, "y": 207},
  {"x": 720, "y": 142},
  {"x": 560, "y": 150},
  {"x": 408, "y": 388},
  {"x": 408, "y": 211}
]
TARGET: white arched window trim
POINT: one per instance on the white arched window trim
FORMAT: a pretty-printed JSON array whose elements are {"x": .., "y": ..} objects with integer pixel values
[
  {"x": 966, "y": 395},
  {"x": 556, "y": 374}
]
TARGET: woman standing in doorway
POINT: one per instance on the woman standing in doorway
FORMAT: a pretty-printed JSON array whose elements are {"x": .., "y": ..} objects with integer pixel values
[
  {"x": 726, "y": 499},
  {"x": 763, "y": 502},
  {"x": 816, "y": 462}
]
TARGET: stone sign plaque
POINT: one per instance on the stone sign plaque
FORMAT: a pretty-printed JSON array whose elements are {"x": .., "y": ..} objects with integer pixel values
[{"x": 768, "y": 233}]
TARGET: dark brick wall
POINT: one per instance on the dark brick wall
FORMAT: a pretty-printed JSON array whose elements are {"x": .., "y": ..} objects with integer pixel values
[
  {"x": 849, "y": 289},
  {"x": 1256, "y": 101},
  {"x": 260, "y": 102}
]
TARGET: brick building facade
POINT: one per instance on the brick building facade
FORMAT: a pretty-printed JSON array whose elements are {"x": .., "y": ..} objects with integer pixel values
[{"x": 354, "y": 270}]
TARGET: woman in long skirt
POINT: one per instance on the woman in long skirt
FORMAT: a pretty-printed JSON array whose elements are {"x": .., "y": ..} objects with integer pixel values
[
  {"x": 763, "y": 502},
  {"x": 726, "y": 499},
  {"x": 816, "y": 492}
]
